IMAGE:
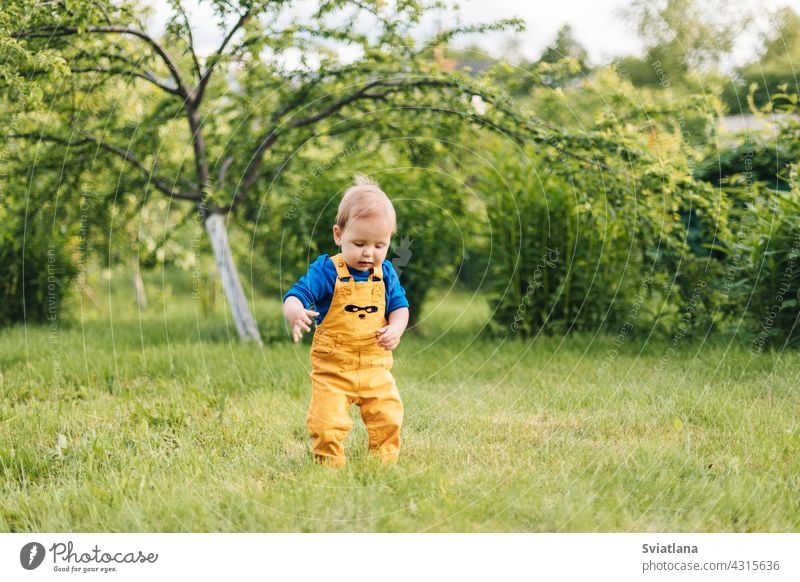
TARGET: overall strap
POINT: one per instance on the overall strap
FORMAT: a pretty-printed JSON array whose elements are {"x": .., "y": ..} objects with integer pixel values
[
  {"x": 343, "y": 273},
  {"x": 341, "y": 267},
  {"x": 377, "y": 273}
]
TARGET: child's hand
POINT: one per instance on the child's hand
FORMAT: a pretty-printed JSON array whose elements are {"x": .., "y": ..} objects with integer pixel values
[
  {"x": 389, "y": 336},
  {"x": 298, "y": 317},
  {"x": 302, "y": 322}
]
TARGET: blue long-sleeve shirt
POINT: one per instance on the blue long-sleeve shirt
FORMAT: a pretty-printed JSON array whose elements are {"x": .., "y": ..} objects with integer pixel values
[{"x": 315, "y": 288}]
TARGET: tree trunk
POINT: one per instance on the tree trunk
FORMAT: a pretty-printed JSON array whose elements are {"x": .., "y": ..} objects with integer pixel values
[
  {"x": 138, "y": 286},
  {"x": 232, "y": 286}
]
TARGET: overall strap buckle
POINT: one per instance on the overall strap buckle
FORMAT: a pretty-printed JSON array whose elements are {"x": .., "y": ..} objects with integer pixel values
[{"x": 341, "y": 268}]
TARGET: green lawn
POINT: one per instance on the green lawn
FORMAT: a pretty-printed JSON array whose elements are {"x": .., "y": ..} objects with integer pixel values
[{"x": 161, "y": 421}]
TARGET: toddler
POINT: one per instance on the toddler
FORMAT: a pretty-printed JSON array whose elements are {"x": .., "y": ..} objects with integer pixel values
[{"x": 361, "y": 311}]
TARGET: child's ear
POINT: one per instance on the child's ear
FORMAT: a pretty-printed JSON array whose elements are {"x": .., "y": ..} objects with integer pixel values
[{"x": 337, "y": 235}]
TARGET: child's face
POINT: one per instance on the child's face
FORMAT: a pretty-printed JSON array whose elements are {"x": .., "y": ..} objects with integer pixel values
[{"x": 364, "y": 241}]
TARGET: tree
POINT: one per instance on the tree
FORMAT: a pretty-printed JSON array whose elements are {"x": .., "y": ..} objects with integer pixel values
[
  {"x": 239, "y": 114},
  {"x": 773, "y": 70},
  {"x": 566, "y": 46},
  {"x": 681, "y": 38},
  {"x": 240, "y": 111}
]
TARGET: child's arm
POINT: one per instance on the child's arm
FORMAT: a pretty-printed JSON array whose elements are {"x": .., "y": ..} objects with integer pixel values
[
  {"x": 389, "y": 335},
  {"x": 298, "y": 316},
  {"x": 314, "y": 286}
]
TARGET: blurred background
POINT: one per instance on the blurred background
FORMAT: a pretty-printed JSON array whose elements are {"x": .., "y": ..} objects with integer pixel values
[{"x": 565, "y": 166}]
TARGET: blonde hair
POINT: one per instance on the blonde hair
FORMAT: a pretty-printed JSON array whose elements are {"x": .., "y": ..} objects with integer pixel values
[{"x": 365, "y": 199}]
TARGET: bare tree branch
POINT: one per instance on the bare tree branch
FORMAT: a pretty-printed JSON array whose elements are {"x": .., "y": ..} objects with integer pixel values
[
  {"x": 125, "y": 154},
  {"x": 269, "y": 138},
  {"x": 251, "y": 171},
  {"x": 182, "y": 11},
  {"x": 146, "y": 75},
  {"x": 49, "y": 32},
  {"x": 158, "y": 182},
  {"x": 199, "y": 145},
  {"x": 363, "y": 93},
  {"x": 106, "y": 15},
  {"x": 213, "y": 60},
  {"x": 528, "y": 133},
  {"x": 343, "y": 127},
  {"x": 223, "y": 170},
  {"x": 144, "y": 72}
]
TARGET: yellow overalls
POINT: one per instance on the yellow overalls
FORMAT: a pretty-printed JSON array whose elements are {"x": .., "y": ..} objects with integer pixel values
[{"x": 348, "y": 366}]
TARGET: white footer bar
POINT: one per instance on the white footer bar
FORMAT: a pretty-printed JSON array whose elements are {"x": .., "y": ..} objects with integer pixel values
[{"x": 400, "y": 557}]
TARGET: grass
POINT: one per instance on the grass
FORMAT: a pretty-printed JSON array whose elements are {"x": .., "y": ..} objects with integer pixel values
[{"x": 162, "y": 421}]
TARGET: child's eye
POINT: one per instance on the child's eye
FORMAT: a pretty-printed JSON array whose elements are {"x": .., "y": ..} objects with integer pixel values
[{"x": 359, "y": 244}]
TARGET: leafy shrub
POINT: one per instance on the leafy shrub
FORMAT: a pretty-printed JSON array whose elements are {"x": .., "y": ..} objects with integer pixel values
[
  {"x": 589, "y": 248},
  {"x": 38, "y": 271},
  {"x": 769, "y": 287}
]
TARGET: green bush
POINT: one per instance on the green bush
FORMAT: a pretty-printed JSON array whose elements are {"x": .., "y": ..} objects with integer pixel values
[
  {"x": 769, "y": 285},
  {"x": 579, "y": 248},
  {"x": 556, "y": 264},
  {"x": 38, "y": 271}
]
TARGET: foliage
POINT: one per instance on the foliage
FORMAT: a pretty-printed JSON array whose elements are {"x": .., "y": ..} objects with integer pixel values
[
  {"x": 39, "y": 254},
  {"x": 627, "y": 239},
  {"x": 565, "y": 46},
  {"x": 492, "y": 167},
  {"x": 769, "y": 281},
  {"x": 766, "y": 276},
  {"x": 38, "y": 269},
  {"x": 687, "y": 35},
  {"x": 756, "y": 83},
  {"x": 754, "y": 157},
  {"x": 759, "y": 285},
  {"x": 216, "y": 132}
]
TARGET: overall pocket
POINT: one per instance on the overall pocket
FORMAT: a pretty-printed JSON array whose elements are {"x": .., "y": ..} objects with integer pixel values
[{"x": 323, "y": 344}]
